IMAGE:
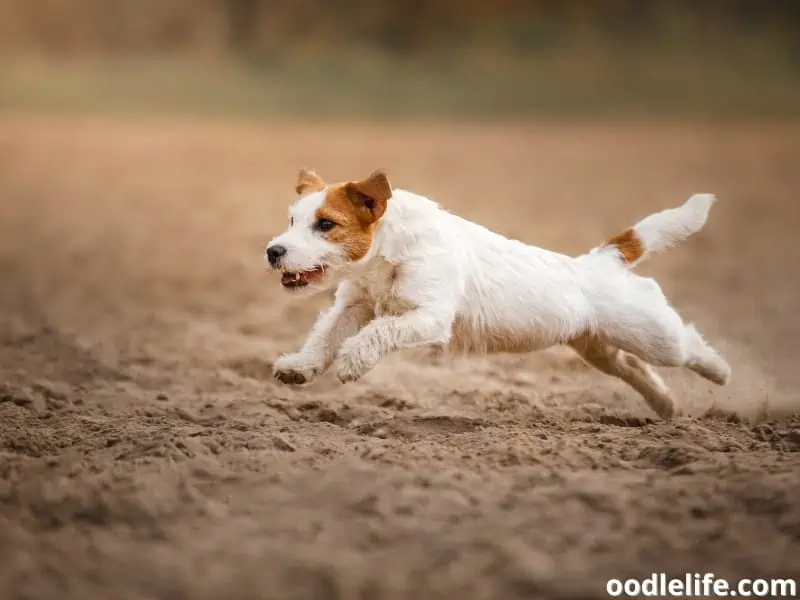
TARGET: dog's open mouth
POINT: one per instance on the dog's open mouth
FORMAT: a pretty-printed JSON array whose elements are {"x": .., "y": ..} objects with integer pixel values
[{"x": 300, "y": 279}]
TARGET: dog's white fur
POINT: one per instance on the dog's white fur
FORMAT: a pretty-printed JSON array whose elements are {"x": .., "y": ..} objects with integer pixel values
[{"x": 431, "y": 277}]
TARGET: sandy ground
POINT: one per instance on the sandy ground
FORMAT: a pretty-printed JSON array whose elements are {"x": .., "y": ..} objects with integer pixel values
[{"x": 146, "y": 452}]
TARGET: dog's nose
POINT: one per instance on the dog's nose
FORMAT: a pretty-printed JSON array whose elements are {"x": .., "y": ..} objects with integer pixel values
[{"x": 274, "y": 254}]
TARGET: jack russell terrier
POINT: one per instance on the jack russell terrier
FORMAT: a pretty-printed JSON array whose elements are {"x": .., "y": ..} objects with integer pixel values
[{"x": 409, "y": 273}]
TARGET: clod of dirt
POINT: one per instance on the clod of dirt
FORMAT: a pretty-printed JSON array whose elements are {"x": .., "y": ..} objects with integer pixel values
[
  {"x": 669, "y": 456},
  {"x": 282, "y": 443},
  {"x": 794, "y": 436},
  {"x": 18, "y": 396}
]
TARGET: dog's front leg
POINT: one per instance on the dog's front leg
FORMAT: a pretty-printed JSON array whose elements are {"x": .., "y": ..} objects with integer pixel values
[
  {"x": 417, "y": 327},
  {"x": 332, "y": 327}
]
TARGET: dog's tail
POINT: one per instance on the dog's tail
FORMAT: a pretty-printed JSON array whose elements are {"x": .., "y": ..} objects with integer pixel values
[{"x": 659, "y": 231}]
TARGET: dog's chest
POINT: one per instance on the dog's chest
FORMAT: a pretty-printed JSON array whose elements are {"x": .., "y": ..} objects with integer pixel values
[{"x": 380, "y": 288}]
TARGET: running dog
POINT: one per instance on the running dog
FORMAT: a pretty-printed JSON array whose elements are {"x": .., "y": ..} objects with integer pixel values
[{"x": 408, "y": 273}]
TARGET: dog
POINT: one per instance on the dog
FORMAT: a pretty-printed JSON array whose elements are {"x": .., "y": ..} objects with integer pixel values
[{"x": 408, "y": 273}]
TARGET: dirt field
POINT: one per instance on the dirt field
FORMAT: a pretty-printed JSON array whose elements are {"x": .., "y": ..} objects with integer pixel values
[{"x": 146, "y": 452}]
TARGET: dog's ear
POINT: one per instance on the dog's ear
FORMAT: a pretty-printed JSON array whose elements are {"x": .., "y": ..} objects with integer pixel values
[
  {"x": 370, "y": 196},
  {"x": 308, "y": 181}
]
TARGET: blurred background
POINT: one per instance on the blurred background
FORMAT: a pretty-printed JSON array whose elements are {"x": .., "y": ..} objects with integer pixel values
[{"x": 448, "y": 58}]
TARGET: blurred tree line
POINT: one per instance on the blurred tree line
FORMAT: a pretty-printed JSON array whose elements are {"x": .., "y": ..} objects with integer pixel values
[{"x": 259, "y": 29}]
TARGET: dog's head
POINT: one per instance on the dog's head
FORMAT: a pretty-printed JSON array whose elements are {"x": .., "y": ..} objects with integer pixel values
[{"x": 330, "y": 228}]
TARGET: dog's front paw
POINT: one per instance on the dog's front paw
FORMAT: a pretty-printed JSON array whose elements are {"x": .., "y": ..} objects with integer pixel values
[
  {"x": 353, "y": 362},
  {"x": 296, "y": 369}
]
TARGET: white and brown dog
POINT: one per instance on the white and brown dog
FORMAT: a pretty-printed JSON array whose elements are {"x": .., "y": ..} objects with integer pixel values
[{"x": 409, "y": 273}]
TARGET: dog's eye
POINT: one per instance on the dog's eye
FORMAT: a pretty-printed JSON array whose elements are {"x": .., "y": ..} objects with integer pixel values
[
  {"x": 324, "y": 225},
  {"x": 291, "y": 221}
]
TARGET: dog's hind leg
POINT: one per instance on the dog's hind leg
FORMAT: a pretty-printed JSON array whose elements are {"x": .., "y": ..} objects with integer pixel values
[
  {"x": 632, "y": 370},
  {"x": 704, "y": 360},
  {"x": 646, "y": 326},
  {"x": 667, "y": 342}
]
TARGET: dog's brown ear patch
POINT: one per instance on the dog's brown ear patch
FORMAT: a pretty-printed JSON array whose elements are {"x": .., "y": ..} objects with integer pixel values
[
  {"x": 370, "y": 196},
  {"x": 308, "y": 181},
  {"x": 355, "y": 207}
]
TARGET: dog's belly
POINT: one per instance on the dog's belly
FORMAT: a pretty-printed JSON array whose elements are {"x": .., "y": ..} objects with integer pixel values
[
  {"x": 475, "y": 338},
  {"x": 504, "y": 319}
]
